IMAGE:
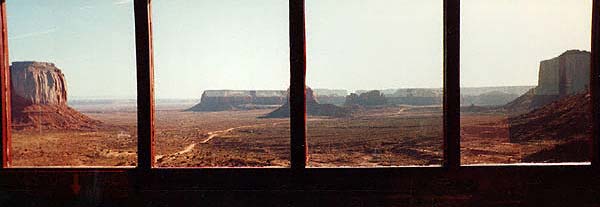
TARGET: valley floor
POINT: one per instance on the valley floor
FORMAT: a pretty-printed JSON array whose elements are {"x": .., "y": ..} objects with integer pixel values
[{"x": 392, "y": 136}]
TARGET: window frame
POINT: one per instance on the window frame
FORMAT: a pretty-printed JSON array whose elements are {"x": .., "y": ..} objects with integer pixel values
[{"x": 298, "y": 174}]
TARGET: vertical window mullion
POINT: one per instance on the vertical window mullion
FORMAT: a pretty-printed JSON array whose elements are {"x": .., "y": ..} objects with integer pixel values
[
  {"x": 451, "y": 84},
  {"x": 297, "y": 92},
  {"x": 5, "y": 88},
  {"x": 145, "y": 84},
  {"x": 595, "y": 83}
]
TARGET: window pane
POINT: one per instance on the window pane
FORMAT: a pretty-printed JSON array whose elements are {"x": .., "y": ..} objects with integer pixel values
[
  {"x": 375, "y": 68},
  {"x": 525, "y": 76},
  {"x": 72, "y": 82},
  {"x": 221, "y": 68}
]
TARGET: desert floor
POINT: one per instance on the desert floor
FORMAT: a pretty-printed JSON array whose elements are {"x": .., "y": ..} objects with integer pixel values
[{"x": 392, "y": 136}]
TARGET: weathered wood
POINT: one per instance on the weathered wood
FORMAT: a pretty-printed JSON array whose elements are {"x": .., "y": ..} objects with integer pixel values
[
  {"x": 145, "y": 84},
  {"x": 298, "y": 84},
  {"x": 595, "y": 83},
  {"x": 451, "y": 84},
  {"x": 473, "y": 186},
  {"x": 5, "y": 90}
]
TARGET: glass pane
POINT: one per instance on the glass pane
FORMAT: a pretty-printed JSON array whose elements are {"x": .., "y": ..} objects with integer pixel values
[
  {"x": 73, "y": 83},
  {"x": 376, "y": 72},
  {"x": 221, "y": 68},
  {"x": 525, "y": 76}
]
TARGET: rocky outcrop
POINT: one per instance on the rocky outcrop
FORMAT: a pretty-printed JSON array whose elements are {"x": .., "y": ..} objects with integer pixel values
[
  {"x": 39, "y": 99},
  {"x": 558, "y": 109},
  {"x": 493, "y": 98},
  {"x": 224, "y": 100},
  {"x": 370, "y": 98},
  {"x": 565, "y": 75},
  {"x": 563, "y": 119},
  {"x": 415, "y": 97},
  {"x": 38, "y": 83},
  {"x": 331, "y": 96},
  {"x": 522, "y": 103},
  {"x": 477, "y": 96},
  {"x": 475, "y": 91},
  {"x": 332, "y": 99},
  {"x": 313, "y": 108},
  {"x": 568, "y": 121},
  {"x": 329, "y": 92}
]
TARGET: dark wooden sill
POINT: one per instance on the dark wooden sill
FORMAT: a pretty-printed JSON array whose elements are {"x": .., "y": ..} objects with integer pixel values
[{"x": 471, "y": 184}]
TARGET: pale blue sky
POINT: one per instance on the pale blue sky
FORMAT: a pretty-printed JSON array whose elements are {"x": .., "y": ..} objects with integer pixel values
[
  {"x": 243, "y": 44},
  {"x": 92, "y": 41},
  {"x": 503, "y": 41}
]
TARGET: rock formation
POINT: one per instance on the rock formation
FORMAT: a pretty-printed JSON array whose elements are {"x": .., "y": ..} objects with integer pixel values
[
  {"x": 558, "y": 120},
  {"x": 565, "y": 75},
  {"x": 415, "y": 96},
  {"x": 521, "y": 104},
  {"x": 313, "y": 108},
  {"x": 224, "y": 100},
  {"x": 39, "y": 98},
  {"x": 331, "y": 96},
  {"x": 370, "y": 98},
  {"x": 568, "y": 120},
  {"x": 559, "y": 109},
  {"x": 478, "y": 96},
  {"x": 493, "y": 98}
]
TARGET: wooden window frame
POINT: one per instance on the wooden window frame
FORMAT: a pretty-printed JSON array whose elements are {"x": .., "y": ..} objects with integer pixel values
[{"x": 298, "y": 176}]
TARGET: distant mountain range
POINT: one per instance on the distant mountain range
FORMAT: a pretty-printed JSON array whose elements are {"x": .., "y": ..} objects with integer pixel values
[{"x": 481, "y": 96}]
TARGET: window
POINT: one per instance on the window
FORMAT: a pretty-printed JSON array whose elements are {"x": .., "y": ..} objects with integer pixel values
[
  {"x": 376, "y": 85},
  {"x": 458, "y": 181},
  {"x": 72, "y": 83},
  {"x": 525, "y": 77},
  {"x": 222, "y": 69}
]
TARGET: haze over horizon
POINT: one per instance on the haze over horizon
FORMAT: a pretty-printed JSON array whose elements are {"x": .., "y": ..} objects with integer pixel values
[{"x": 359, "y": 45}]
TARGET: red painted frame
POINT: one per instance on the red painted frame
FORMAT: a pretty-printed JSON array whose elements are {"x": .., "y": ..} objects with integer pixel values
[{"x": 4, "y": 88}]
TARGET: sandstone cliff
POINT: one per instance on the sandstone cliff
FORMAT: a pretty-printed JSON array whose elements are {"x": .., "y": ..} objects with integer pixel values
[
  {"x": 223, "y": 100},
  {"x": 38, "y": 83},
  {"x": 313, "y": 108},
  {"x": 331, "y": 96},
  {"x": 565, "y": 75},
  {"x": 415, "y": 96},
  {"x": 39, "y": 98},
  {"x": 370, "y": 98},
  {"x": 568, "y": 120},
  {"x": 558, "y": 109},
  {"x": 561, "y": 119},
  {"x": 493, "y": 98}
]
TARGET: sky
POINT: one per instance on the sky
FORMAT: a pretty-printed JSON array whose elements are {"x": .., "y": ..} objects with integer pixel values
[
  {"x": 503, "y": 41},
  {"x": 91, "y": 41},
  {"x": 243, "y": 44}
]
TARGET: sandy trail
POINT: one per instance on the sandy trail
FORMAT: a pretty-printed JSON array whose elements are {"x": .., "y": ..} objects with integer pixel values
[
  {"x": 211, "y": 135},
  {"x": 110, "y": 153},
  {"x": 214, "y": 134}
]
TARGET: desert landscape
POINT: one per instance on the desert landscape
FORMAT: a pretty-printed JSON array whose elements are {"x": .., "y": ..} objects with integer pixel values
[{"x": 547, "y": 123}]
